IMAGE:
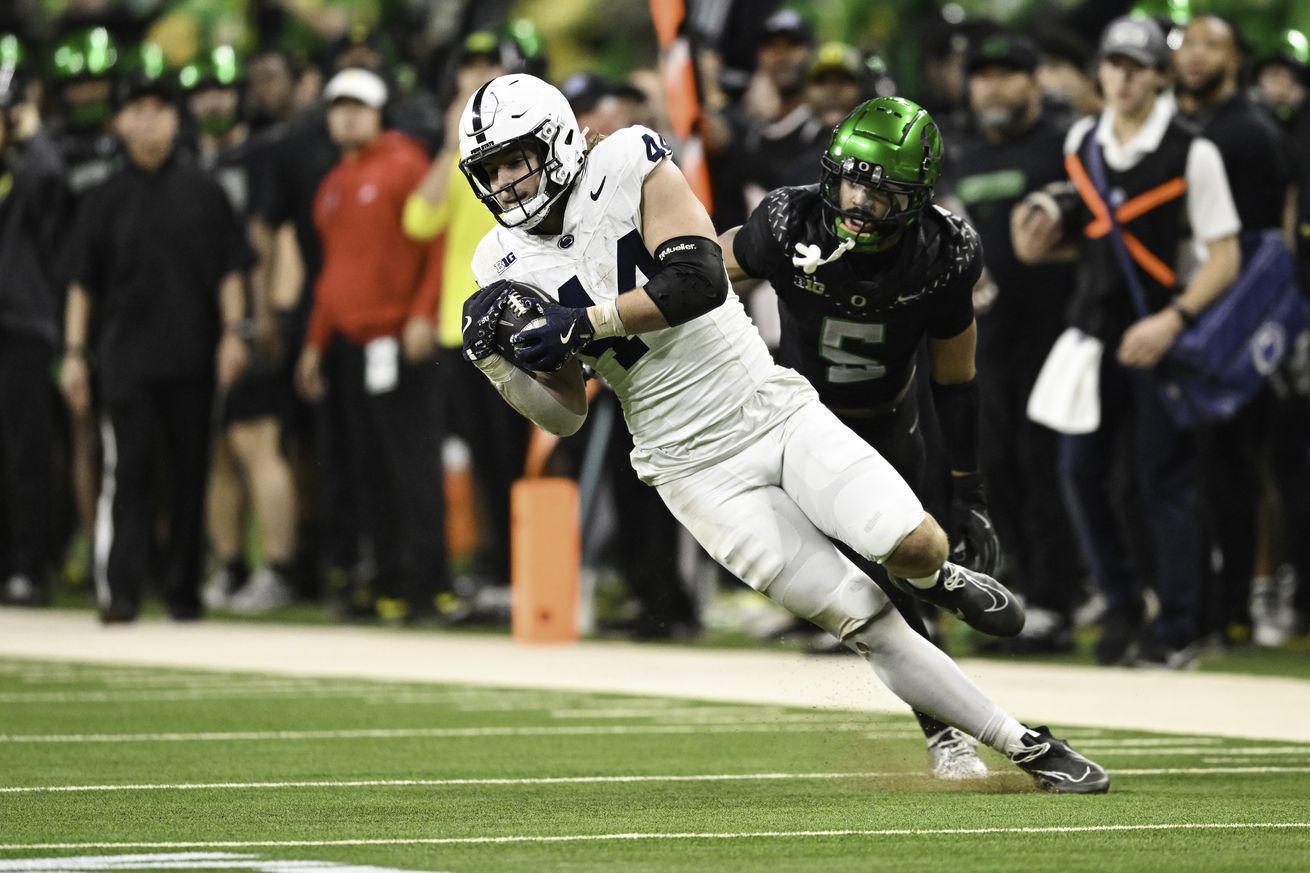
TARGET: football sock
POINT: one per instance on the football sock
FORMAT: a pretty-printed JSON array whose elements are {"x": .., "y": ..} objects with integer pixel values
[
  {"x": 924, "y": 582},
  {"x": 923, "y": 676}
]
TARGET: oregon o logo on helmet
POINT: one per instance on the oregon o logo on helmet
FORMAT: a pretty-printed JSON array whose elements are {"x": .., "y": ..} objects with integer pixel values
[{"x": 1267, "y": 347}]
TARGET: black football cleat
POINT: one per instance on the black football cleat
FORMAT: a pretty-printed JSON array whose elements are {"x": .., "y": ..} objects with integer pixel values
[
  {"x": 1057, "y": 768},
  {"x": 975, "y": 598}
]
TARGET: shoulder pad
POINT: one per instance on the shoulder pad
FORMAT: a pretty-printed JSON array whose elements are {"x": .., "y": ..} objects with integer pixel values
[
  {"x": 787, "y": 209},
  {"x": 960, "y": 242},
  {"x": 634, "y": 147}
]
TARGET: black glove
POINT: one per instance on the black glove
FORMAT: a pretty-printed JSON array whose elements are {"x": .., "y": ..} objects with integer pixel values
[
  {"x": 549, "y": 347},
  {"x": 480, "y": 314},
  {"x": 974, "y": 535}
]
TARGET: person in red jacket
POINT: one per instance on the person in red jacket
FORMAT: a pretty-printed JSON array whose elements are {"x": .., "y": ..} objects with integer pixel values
[{"x": 370, "y": 349}]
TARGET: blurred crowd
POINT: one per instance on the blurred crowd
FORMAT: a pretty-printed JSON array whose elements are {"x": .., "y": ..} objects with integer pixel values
[{"x": 231, "y": 277}]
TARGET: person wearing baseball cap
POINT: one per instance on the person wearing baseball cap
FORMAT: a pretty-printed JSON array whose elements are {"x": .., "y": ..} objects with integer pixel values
[
  {"x": 835, "y": 81},
  {"x": 1138, "y": 39},
  {"x": 1170, "y": 193},
  {"x": 372, "y": 335}
]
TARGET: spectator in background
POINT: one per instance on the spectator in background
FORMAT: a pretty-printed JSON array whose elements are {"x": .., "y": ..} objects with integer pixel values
[
  {"x": 753, "y": 140},
  {"x": 270, "y": 90},
  {"x": 1281, "y": 81},
  {"x": 300, "y": 154},
  {"x": 33, "y": 216},
  {"x": 1063, "y": 73},
  {"x": 1237, "y": 479},
  {"x": 443, "y": 205},
  {"x": 249, "y": 469},
  {"x": 158, "y": 255},
  {"x": 373, "y": 318},
  {"x": 834, "y": 83},
  {"x": 1016, "y": 150},
  {"x": 83, "y": 65},
  {"x": 1144, "y": 147}
]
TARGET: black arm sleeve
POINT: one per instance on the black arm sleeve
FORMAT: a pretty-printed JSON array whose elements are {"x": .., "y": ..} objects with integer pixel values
[
  {"x": 692, "y": 279},
  {"x": 957, "y": 411}
]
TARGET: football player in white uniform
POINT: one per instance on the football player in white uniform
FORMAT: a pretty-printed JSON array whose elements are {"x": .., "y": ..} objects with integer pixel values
[{"x": 740, "y": 449}]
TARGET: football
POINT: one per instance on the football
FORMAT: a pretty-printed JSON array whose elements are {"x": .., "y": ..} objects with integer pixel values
[{"x": 518, "y": 314}]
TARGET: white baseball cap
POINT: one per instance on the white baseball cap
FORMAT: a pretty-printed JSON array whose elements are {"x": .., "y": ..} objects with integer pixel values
[{"x": 356, "y": 84}]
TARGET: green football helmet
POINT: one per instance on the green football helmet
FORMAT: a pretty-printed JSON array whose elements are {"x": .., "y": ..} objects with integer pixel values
[
  {"x": 890, "y": 148},
  {"x": 11, "y": 51},
  {"x": 221, "y": 67},
  {"x": 90, "y": 53}
]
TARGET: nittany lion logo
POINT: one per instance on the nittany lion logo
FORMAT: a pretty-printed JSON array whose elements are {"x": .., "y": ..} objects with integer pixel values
[{"x": 1268, "y": 347}]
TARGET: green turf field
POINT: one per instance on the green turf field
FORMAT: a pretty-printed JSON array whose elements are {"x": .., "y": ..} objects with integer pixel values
[{"x": 191, "y": 770}]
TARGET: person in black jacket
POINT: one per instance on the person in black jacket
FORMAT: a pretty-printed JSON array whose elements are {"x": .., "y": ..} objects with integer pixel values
[
  {"x": 33, "y": 209},
  {"x": 1245, "y": 462},
  {"x": 159, "y": 253}
]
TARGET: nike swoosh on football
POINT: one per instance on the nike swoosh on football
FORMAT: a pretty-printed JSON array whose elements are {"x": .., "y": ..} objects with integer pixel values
[
  {"x": 595, "y": 195},
  {"x": 564, "y": 337}
]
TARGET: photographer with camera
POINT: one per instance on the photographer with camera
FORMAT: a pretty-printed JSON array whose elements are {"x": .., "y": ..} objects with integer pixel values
[{"x": 1162, "y": 182}]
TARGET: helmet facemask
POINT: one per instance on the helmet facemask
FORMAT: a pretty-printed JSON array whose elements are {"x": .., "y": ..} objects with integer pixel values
[
  {"x": 532, "y": 149},
  {"x": 862, "y": 223}
]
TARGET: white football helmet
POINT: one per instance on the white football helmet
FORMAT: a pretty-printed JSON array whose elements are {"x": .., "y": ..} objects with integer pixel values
[{"x": 521, "y": 112}]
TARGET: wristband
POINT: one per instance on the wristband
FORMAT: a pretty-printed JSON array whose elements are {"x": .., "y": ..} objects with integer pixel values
[
  {"x": 497, "y": 368},
  {"x": 1189, "y": 320},
  {"x": 605, "y": 320}
]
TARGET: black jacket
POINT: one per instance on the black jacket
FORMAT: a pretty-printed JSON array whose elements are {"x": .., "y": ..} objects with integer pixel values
[{"x": 34, "y": 214}]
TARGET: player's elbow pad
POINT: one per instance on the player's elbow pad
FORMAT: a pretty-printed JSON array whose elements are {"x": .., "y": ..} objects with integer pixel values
[{"x": 692, "y": 279}]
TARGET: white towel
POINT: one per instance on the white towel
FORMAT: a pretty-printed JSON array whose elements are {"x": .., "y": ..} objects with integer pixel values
[{"x": 1067, "y": 395}]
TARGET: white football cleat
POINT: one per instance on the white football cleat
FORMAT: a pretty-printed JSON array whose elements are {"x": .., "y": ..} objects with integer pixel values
[
  {"x": 265, "y": 592},
  {"x": 954, "y": 756}
]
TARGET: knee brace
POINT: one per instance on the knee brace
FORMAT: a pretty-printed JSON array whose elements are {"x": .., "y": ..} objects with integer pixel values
[{"x": 840, "y": 606}]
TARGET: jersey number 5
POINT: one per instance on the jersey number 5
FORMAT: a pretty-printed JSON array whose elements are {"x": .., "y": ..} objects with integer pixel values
[
  {"x": 632, "y": 256},
  {"x": 835, "y": 340}
]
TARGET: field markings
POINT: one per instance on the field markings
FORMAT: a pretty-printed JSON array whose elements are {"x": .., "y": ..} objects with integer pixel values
[
  {"x": 497, "y": 731},
  {"x": 604, "y": 838},
  {"x": 593, "y": 780}
]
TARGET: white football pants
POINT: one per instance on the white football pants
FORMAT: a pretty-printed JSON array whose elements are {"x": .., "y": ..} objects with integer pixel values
[{"x": 766, "y": 515}]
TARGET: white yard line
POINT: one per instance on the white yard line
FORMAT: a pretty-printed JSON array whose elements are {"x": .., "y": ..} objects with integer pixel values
[
  {"x": 593, "y": 780},
  {"x": 605, "y": 838},
  {"x": 498, "y": 731},
  {"x": 1270, "y": 708}
]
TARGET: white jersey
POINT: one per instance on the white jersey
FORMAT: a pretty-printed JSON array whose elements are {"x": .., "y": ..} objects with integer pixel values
[{"x": 691, "y": 394}]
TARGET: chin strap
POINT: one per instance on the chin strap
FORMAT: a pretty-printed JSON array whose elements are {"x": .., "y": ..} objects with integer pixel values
[{"x": 810, "y": 257}]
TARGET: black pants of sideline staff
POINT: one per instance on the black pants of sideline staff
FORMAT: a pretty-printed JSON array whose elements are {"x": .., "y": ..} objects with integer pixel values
[
  {"x": 26, "y": 434},
  {"x": 155, "y": 438},
  {"x": 1168, "y": 488},
  {"x": 392, "y": 443}
]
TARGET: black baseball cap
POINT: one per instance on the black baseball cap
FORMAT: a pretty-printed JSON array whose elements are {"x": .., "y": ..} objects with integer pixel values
[
  {"x": 1003, "y": 50},
  {"x": 789, "y": 24},
  {"x": 585, "y": 90},
  {"x": 1140, "y": 39},
  {"x": 139, "y": 83},
  {"x": 480, "y": 44}
]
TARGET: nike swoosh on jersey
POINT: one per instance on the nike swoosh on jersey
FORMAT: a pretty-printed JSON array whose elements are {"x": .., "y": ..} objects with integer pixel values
[
  {"x": 595, "y": 195},
  {"x": 564, "y": 337},
  {"x": 468, "y": 319}
]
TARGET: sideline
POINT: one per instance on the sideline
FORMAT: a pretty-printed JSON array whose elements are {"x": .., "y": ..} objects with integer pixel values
[
  {"x": 1260, "y": 707},
  {"x": 605, "y": 838},
  {"x": 605, "y": 780}
]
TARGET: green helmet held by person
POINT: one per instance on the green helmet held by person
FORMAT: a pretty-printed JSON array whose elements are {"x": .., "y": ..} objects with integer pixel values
[
  {"x": 879, "y": 171},
  {"x": 90, "y": 53},
  {"x": 220, "y": 67}
]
